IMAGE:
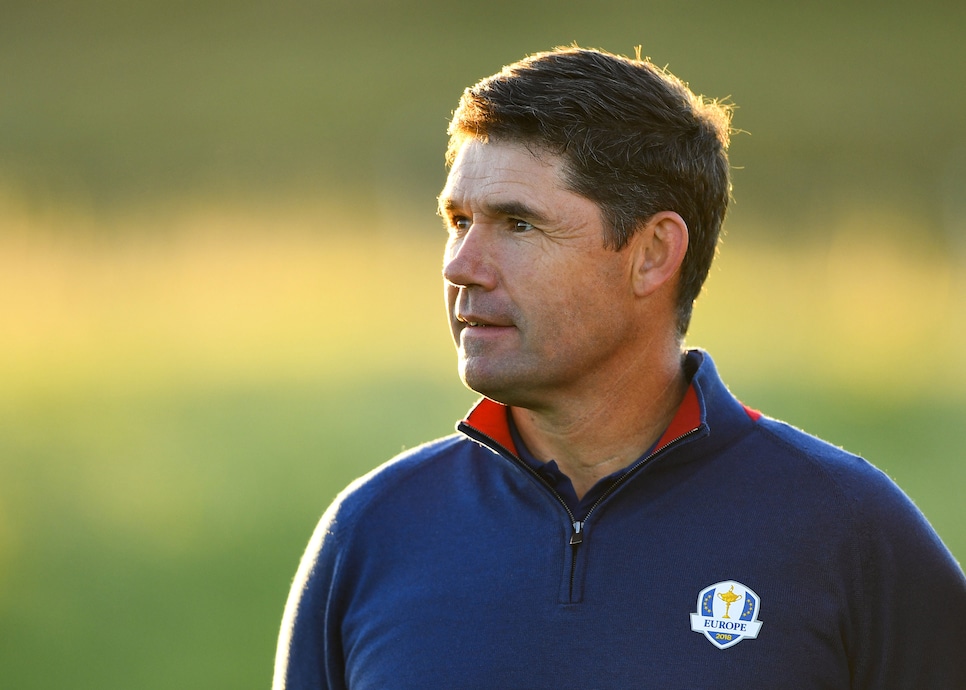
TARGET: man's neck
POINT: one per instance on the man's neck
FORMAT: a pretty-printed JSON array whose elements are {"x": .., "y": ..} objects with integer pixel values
[{"x": 594, "y": 436}]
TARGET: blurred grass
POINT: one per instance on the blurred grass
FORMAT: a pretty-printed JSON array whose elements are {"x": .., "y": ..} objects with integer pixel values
[{"x": 216, "y": 294}]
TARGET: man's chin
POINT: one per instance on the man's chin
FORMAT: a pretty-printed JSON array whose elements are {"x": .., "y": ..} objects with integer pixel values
[
  {"x": 489, "y": 384},
  {"x": 501, "y": 386}
]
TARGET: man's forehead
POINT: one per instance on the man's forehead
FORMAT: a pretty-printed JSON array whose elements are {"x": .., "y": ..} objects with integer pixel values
[
  {"x": 500, "y": 175},
  {"x": 502, "y": 147}
]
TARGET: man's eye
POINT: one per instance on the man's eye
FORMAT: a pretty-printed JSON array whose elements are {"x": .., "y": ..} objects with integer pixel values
[
  {"x": 460, "y": 225},
  {"x": 521, "y": 226}
]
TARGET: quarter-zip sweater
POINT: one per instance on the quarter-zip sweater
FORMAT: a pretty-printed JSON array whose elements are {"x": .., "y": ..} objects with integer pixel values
[{"x": 455, "y": 565}]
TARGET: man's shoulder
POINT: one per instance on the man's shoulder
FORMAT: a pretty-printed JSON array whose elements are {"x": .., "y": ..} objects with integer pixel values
[
  {"x": 781, "y": 435},
  {"x": 824, "y": 466},
  {"x": 846, "y": 497},
  {"x": 418, "y": 469}
]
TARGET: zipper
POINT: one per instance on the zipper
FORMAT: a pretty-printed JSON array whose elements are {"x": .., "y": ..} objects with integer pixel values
[
  {"x": 576, "y": 539},
  {"x": 577, "y": 526},
  {"x": 577, "y": 534},
  {"x": 633, "y": 470},
  {"x": 502, "y": 450}
]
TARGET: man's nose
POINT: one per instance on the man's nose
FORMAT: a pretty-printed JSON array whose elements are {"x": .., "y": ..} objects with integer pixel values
[{"x": 468, "y": 260}]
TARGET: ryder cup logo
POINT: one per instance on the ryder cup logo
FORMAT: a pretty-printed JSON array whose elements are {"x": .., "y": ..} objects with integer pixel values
[{"x": 727, "y": 614}]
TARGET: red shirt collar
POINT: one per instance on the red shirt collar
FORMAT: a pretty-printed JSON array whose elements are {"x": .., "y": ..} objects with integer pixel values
[{"x": 490, "y": 417}]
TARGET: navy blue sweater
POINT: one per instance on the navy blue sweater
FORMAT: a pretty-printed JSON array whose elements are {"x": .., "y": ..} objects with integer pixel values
[{"x": 740, "y": 553}]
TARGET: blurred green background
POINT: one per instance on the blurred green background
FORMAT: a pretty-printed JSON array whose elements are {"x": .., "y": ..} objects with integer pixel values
[{"x": 219, "y": 286}]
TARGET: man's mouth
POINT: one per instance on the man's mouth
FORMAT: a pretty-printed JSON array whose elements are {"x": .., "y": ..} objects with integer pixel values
[
  {"x": 470, "y": 321},
  {"x": 477, "y": 324},
  {"x": 477, "y": 321}
]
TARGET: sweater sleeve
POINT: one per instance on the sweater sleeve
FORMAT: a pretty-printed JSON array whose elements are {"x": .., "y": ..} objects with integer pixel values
[
  {"x": 913, "y": 600},
  {"x": 309, "y": 654}
]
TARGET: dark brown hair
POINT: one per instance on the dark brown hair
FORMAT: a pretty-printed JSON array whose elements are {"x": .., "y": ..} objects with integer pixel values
[{"x": 634, "y": 138}]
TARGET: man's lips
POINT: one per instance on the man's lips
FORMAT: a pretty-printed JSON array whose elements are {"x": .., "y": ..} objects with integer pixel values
[
  {"x": 480, "y": 324},
  {"x": 475, "y": 321}
]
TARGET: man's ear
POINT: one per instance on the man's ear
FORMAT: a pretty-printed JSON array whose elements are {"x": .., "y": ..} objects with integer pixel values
[{"x": 659, "y": 251}]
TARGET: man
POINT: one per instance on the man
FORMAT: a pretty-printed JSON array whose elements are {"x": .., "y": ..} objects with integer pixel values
[{"x": 608, "y": 515}]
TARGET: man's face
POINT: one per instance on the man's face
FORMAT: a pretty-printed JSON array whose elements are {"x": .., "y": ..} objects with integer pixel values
[{"x": 538, "y": 307}]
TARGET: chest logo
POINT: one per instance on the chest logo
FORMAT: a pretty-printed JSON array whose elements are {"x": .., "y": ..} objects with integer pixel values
[{"x": 727, "y": 614}]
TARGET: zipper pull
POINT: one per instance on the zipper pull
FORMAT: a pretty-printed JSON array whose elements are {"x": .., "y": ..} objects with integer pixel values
[{"x": 577, "y": 537}]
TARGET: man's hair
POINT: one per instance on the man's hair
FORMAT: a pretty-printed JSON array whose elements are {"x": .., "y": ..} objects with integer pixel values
[{"x": 634, "y": 139}]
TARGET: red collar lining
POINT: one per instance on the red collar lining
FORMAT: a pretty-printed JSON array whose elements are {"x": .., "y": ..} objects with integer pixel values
[
  {"x": 490, "y": 417},
  {"x": 686, "y": 419}
]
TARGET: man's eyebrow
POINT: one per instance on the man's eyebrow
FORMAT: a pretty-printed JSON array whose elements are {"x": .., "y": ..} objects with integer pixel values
[
  {"x": 445, "y": 206},
  {"x": 505, "y": 209},
  {"x": 515, "y": 209}
]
